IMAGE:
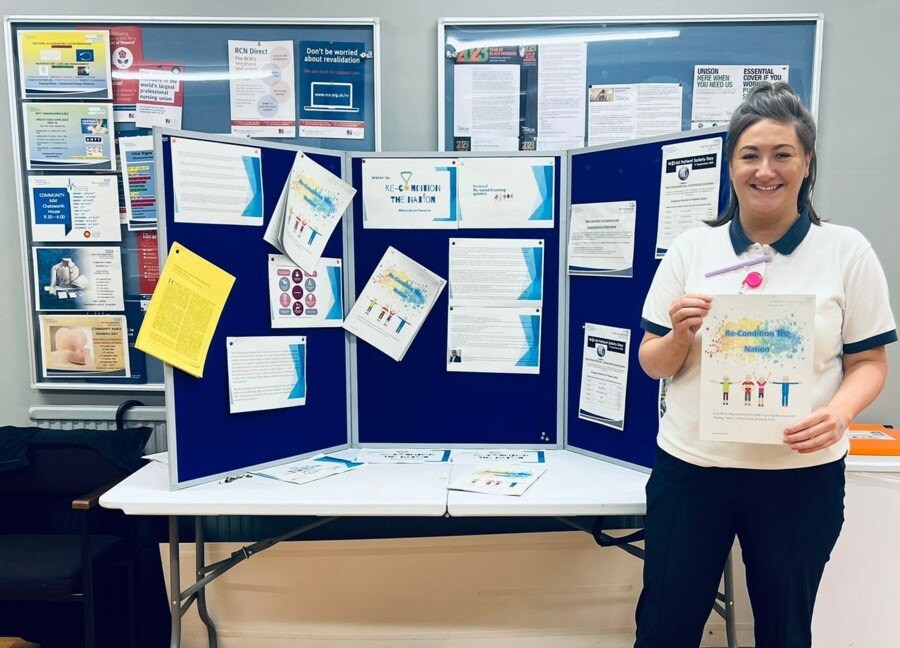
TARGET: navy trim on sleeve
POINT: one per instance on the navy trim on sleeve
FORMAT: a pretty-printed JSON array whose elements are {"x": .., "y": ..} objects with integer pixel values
[
  {"x": 871, "y": 343},
  {"x": 652, "y": 327}
]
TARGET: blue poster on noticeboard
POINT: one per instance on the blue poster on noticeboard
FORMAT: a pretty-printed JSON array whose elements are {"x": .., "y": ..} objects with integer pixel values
[{"x": 331, "y": 89}]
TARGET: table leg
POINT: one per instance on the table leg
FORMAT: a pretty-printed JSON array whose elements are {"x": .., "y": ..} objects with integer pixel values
[
  {"x": 728, "y": 603},
  {"x": 174, "y": 582},
  {"x": 201, "y": 593}
]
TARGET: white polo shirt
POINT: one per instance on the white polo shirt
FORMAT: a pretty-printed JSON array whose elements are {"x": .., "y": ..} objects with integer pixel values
[{"x": 853, "y": 314}]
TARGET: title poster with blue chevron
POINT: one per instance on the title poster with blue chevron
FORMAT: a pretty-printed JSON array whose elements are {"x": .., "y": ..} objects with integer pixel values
[
  {"x": 496, "y": 295},
  {"x": 216, "y": 183},
  {"x": 409, "y": 193},
  {"x": 496, "y": 272},
  {"x": 494, "y": 340},
  {"x": 266, "y": 373},
  {"x": 300, "y": 299},
  {"x": 508, "y": 192},
  {"x": 756, "y": 367},
  {"x": 394, "y": 303}
]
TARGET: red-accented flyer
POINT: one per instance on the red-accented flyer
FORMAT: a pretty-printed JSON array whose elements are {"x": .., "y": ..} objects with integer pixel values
[
  {"x": 148, "y": 261},
  {"x": 126, "y": 44},
  {"x": 160, "y": 94}
]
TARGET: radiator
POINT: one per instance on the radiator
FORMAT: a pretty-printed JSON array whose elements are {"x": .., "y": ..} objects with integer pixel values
[{"x": 68, "y": 417}]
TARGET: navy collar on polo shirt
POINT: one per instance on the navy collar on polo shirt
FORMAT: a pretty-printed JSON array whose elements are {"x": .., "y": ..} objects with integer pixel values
[{"x": 785, "y": 245}]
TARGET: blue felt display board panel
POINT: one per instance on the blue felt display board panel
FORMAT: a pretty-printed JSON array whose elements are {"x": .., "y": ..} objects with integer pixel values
[
  {"x": 417, "y": 401},
  {"x": 663, "y": 58},
  {"x": 209, "y": 440},
  {"x": 630, "y": 172}
]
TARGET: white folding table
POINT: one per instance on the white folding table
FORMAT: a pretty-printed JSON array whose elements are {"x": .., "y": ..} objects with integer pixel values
[
  {"x": 574, "y": 485},
  {"x": 371, "y": 490}
]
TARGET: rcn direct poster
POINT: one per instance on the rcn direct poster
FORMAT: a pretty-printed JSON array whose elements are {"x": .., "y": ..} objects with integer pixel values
[{"x": 332, "y": 89}]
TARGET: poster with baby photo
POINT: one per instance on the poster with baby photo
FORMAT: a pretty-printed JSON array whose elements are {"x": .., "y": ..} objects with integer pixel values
[
  {"x": 78, "y": 278},
  {"x": 87, "y": 346}
]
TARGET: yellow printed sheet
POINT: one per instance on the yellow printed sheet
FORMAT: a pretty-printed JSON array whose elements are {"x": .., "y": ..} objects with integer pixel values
[{"x": 184, "y": 310}]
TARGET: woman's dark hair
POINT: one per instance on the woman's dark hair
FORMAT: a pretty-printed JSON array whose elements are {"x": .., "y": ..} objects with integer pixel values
[{"x": 779, "y": 102}]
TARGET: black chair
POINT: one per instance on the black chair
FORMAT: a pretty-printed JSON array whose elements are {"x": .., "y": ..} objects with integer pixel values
[{"x": 56, "y": 544}]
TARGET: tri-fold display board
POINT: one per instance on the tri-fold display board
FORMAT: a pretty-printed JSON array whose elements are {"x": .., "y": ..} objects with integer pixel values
[{"x": 475, "y": 372}]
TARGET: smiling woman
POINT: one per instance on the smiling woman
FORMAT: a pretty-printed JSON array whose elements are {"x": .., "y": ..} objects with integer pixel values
[
  {"x": 772, "y": 118},
  {"x": 784, "y": 502},
  {"x": 767, "y": 172}
]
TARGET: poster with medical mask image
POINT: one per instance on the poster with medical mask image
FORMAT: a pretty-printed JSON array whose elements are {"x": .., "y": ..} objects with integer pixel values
[{"x": 78, "y": 278}]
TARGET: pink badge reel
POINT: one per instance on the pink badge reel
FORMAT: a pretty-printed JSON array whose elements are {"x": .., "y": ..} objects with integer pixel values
[{"x": 753, "y": 280}]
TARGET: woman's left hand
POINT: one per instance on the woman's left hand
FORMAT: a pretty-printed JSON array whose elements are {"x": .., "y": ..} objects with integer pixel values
[{"x": 822, "y": 428}]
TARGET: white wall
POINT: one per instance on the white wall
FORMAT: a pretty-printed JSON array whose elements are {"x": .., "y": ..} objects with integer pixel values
[
  {"x": 857, "y": 603},
  {"x": 859, "y": 182}
]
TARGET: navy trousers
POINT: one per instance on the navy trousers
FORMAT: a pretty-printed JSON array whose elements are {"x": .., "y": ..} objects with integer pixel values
[{"x": 787, "y": 522}]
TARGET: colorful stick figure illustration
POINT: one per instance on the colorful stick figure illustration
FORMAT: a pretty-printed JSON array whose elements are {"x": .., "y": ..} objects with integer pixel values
[
  {"x": 761, "y": 384},
  {"x": 726, "y": 387},
  {"x": 372, "y": 303},
  {"x": 748, "y": 388},
  {"x": 785, "y": 390}
]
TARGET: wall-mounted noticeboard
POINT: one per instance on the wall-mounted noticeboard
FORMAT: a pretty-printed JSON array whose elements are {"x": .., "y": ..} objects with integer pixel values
[
  {"x": 550, "y": 84},
  {"x": 85, "y": 93}
]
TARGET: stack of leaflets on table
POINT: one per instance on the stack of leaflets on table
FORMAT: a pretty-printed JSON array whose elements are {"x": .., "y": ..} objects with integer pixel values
[
  {"x": 495, "y": 456},
  {"x": 402, "y": 455},
  {"x": 308, "y": 470},
  {"x": 496, "y": 480}
]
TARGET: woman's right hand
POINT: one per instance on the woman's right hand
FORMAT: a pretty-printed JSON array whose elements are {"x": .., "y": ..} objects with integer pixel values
[
  {"x": 663, "y": 356},
  {"x": 687, "y": 313}
]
